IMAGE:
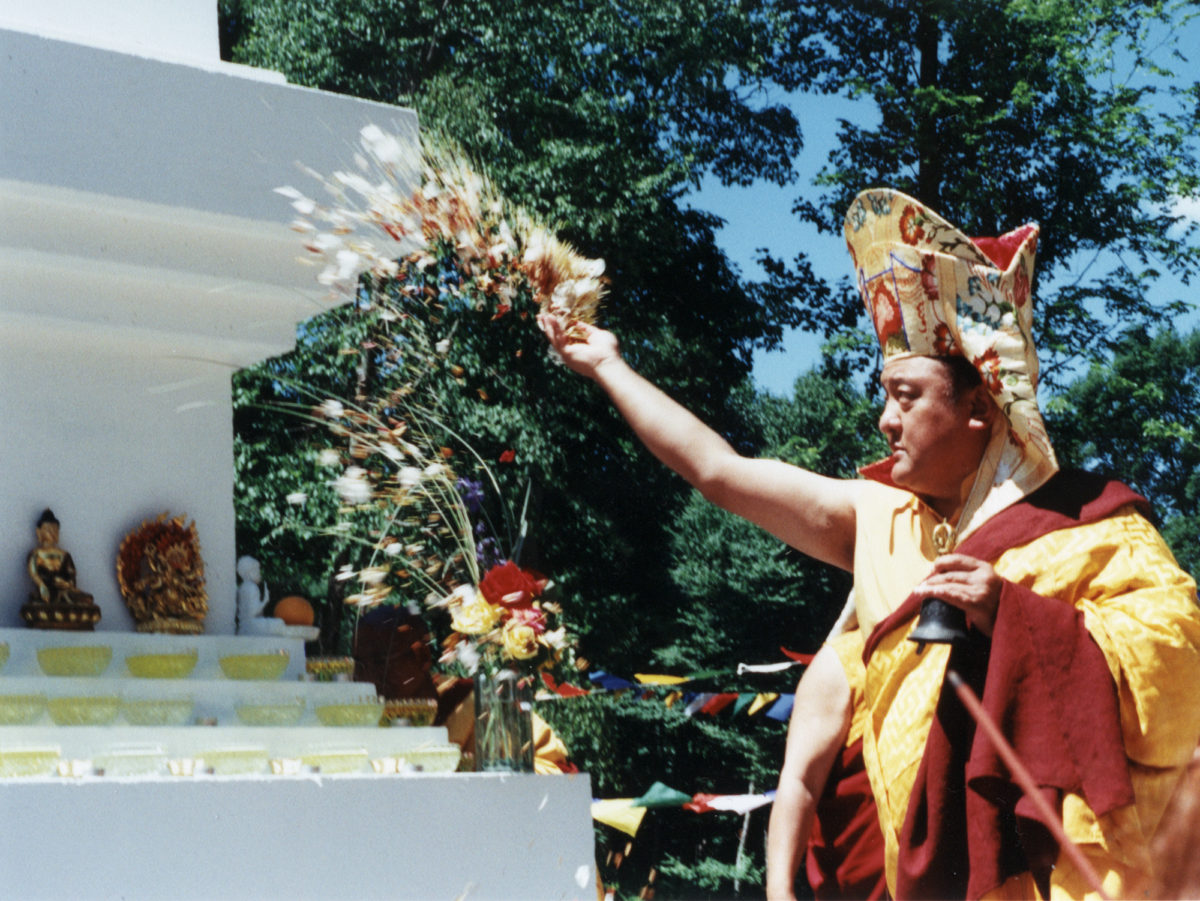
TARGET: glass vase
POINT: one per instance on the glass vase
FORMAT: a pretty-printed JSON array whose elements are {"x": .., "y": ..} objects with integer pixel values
[{"x": 503, "y": 722}]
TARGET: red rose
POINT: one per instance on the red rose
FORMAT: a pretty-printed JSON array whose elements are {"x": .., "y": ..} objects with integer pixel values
[
  {"x": 508, "y": 456},
  {"x": 510, "y": 586}
]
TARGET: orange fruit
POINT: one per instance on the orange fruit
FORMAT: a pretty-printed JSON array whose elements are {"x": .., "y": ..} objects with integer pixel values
[{"x": 294, "y": 610}]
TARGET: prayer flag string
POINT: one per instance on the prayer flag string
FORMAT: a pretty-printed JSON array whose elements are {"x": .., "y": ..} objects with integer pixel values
[{"x": 626, "y": 814}]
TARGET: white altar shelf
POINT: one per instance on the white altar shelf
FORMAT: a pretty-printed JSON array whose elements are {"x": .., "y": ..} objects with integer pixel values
[{"x": 478, "y": 837}]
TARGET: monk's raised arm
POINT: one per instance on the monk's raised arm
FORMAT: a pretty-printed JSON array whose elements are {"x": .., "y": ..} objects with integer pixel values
[{"x": 811, "y": 512}]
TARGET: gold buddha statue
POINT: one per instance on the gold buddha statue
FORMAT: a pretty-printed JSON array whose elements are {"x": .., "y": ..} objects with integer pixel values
[{"x": 56, "y": 602}]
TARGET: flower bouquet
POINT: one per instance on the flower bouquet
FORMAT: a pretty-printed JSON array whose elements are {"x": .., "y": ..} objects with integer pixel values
[
  {"x": 431, "y": 254},
  {"x": 407, "y": 209}
]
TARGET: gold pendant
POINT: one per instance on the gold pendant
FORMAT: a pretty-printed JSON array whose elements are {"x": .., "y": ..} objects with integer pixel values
[{"x": 943, "y": 538}]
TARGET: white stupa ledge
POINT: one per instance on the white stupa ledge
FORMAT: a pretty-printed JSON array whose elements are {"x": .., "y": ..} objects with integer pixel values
[{"x": 144, "y": 257}]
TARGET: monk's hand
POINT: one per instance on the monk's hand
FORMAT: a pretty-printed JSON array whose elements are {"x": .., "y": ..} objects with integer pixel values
[
  {"x": 969, "y": 584},
  {"x": 582, "y": 347}
]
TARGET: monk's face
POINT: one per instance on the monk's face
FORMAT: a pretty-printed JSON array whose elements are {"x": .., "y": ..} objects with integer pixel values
[{"x": 937, "y": 435}]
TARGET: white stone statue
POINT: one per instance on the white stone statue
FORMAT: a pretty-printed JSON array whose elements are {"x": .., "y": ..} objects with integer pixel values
[{"x": 252, "y": 594}]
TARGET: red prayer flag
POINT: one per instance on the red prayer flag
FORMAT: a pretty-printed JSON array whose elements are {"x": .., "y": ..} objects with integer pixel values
[
  {"x": 563, "y": 689},
  {"x": 797, "y": 656}
]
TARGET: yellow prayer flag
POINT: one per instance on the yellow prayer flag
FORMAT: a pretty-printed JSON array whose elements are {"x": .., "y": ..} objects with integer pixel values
[
  {"x": 619, "y": 813},
  {"x": 762, "y": 700},
  {"x": 655, "y": 679}
]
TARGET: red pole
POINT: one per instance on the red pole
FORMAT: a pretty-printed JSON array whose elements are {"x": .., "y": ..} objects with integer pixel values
[{"x": 1045, "y": 813}]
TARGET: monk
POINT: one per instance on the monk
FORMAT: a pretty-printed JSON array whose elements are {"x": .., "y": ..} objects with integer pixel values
[{"x": 1083, "y": 634}]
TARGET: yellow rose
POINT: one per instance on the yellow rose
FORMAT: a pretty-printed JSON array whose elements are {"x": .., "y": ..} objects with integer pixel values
[
  {"x": 474, "y": 616},
  {"x": 520, "y": 640}
]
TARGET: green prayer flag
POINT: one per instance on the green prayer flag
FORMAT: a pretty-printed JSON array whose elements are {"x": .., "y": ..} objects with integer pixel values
[{"x": 659, "y": 795}]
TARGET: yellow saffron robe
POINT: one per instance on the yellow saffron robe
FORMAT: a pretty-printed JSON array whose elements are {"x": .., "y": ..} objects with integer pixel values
[{"x": 1139, "y": 607}]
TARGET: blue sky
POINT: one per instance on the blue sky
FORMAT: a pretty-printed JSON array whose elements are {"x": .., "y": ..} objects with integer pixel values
[{"x": 759, "y": 216}]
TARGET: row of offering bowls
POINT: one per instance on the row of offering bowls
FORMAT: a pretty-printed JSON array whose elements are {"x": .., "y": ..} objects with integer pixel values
[
  {"x": 100, "y": 710},
  {"x": 229, "y": 761},
  {"x": 94, "y": 660}
]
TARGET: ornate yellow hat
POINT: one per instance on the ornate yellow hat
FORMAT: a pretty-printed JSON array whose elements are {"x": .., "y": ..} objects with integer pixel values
[{"x": 932, "y": 291}]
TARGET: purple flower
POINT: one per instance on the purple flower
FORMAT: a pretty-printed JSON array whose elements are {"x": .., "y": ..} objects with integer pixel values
[
  {"x": 471, "y": 492},
  {"x": 487, "y": 552}
]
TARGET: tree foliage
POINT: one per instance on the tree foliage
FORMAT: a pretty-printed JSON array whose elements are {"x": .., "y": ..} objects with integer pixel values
[
  {"x": 1137, "y": 418},
  {"x": 601, "y": 117},
  {"x": 994, "y": 114}
]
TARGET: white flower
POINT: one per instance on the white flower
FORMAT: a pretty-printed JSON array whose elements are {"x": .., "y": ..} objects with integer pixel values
[
  {"x": 460, "y": 595},
  {"x": 386, "y": 269},
  {"x": 353, "y": 486},
  {"x": 333, "y": 409},
  {"x": 409, "y": 476},
  {"x": 382, "y": 146},
  {"x": 297, "y": 498},
  {"x": 535, "y": 249},
  {"x": 467, "y": 654},
  {"x": 305, "y": 206},
  {"x": 354, "y": 182},
  {"x": 391, "y": 452},
  {"x": 373, "y": 575},
  {"x": 556, "y": 638},
  {"x": 590, "y": 268},
  {"x": 325, "y": 243},
  {"x": 393, "y": 549},
  {"x": 347, "y": 264},
  {"x": 443, "y": 346},
  {"x": 345, "y": 573},
  {"x": 329, "y": 457}
]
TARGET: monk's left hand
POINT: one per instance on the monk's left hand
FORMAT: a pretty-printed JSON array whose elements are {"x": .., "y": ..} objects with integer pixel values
[{"x": 969, "y": 584}]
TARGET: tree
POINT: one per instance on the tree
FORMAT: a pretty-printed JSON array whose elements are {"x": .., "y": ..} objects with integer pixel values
[
  {"x": 999, "y": 113},
  {"x": 599, "y": 117},
  {"x": 1135, "y": 418}
]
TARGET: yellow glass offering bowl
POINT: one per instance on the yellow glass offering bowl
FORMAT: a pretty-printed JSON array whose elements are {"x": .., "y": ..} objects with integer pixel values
[
  {"x": 175, "y": 665},
  {"x": 83, "y": 660},
  {"x": 96, "y": 710},
  {"x": 356, "y": 713},
  {"x": 255, "y": 666},
  {"x": 235, "y": 761},
  {"x": 348, "y": 760},
  {"x": 282, "y": 713},
  {"x": 157, "y": 711},
  {"x": 17, "y": 762},
  {"x": 21, "y": 710}
]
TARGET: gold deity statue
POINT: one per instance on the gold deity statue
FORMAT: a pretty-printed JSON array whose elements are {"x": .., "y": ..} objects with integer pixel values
[
  {"x": 161, "y": 576},
  {"x": 56, "y": 602}
]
